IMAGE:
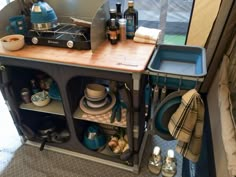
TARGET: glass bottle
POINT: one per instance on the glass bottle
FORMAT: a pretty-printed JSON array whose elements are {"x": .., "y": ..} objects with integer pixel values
[
  {"x": 34, "y": 86},
  {"x": 113, "y": 32},
  {"x": 131, "y": 16},
  {"x": 155, "y": 161},
  {"x": 118, "y": 10},
  {"x": 113, "y": 15},
  {"x": 169, "y": 168}
]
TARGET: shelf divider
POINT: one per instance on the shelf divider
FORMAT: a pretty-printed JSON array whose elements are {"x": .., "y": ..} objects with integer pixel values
[
  {"x": 54, "y": 107},
  {"x": 102, "y": 118}
]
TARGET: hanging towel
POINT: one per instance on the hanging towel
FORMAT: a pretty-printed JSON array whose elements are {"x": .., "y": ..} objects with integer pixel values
[
  {"x": 143, "y": 40},
  {"x": 186, "y": 125},
  {"x": 148, "y": 33}
]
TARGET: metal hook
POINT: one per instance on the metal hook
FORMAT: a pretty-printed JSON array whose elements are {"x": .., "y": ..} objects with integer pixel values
[
  {"x": 157, "y": 78},
  {"x": 165, "y": 80},
  {"x": 196, "y": 83},
  {"x": 180, "y": 83}
]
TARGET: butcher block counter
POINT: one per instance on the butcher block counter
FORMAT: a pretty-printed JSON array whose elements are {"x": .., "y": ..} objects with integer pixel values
[{"x": 126, "y": 56}]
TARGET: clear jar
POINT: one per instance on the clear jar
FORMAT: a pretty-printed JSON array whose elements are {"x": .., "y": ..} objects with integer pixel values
[
  {"x": 25, "y": 95},
  {"x": 122, "y": 24},
  {"x": 155, "y": 161},
  {"x": 169, "y": 167}
]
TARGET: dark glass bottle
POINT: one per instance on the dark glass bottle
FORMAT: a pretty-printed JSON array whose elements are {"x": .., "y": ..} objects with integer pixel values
[
  {"x": 34, "y": 86},
  {"x": 118, "y": 10},
  {"x": 131, "y": 16},
  {"x": 113, "y": 15},
  {"x": 113, "y": 32}
]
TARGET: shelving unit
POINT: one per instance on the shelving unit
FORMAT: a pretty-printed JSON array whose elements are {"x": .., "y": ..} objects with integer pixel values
[{"x": 71, "y": 76}]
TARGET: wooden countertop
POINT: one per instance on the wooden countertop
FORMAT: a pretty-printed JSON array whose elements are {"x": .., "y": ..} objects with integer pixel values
[{"x": 126, "y": 56}]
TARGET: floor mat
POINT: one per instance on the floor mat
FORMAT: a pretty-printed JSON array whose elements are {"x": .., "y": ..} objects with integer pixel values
[{"x": 28, "y": 161}]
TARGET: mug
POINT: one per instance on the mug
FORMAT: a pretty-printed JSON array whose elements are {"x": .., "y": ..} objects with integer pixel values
[{"x": 17, "y": 25}]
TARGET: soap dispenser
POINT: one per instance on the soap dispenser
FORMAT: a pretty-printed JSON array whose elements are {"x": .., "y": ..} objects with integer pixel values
[
  {"x": 169, "y": 167},
  {"x": 155, "y": 161}
]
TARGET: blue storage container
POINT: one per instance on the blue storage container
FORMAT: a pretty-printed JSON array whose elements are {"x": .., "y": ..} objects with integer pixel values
[{"x": 178, "y": 66}]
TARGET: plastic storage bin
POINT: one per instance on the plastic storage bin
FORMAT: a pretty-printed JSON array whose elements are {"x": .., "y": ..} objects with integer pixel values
[{"x": 177, "y": 66}]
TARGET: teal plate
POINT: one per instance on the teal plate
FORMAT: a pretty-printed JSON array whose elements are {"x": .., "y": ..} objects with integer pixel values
[{"x": 164, "y": 111}]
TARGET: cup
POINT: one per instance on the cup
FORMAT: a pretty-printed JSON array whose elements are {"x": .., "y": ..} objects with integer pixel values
[
  {"x": 17, "y": 25},
  {"x": 25, "y": 95}
]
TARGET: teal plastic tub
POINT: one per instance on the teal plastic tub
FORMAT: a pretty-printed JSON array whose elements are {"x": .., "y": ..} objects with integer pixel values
[{"x": 173, "y": 63}]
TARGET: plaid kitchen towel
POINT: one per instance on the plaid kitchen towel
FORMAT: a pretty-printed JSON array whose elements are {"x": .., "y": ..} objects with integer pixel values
[{"x": 186, "y": 125}]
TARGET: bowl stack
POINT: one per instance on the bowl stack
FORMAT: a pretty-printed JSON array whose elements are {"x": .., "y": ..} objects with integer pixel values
[{"x": 97, "y": 100}]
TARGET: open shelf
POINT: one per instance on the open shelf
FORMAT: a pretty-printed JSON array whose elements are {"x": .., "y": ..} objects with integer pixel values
[
  {"x": 102, "y": 118},
  {"x": 54, "y": 107}
]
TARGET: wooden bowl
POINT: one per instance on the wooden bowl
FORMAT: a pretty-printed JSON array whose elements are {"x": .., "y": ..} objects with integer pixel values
[
  {"x": 95, "y": 90},
  {"x": 13, "y": 42}
]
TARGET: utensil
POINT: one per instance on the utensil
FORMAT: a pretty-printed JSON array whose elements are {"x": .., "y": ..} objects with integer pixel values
[
  {"x": 80, "y": 22},
  {"x": 45, "y": 131}
]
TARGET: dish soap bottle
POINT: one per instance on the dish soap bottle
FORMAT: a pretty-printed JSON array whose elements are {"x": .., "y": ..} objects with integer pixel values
[
  {"x": 131, "y": 15},
  {"x": 155, "y": 161},
  {"x": 169, "y": 167}
]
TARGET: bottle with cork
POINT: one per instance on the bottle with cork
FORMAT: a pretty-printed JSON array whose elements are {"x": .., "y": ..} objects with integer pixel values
[
  {"x": 118, "y": 10},
  {"x": 131, "y": 15}
]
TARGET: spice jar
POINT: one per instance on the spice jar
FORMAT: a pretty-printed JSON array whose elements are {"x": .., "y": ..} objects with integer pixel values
[
  {"x": 25, "y": 95},
  {"x": 122, "y": 24}
]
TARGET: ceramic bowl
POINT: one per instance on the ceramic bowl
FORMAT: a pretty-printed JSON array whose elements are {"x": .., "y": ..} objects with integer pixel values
[
  {"x": 40, "y": 99},
  {"x": 95, "y": 90},
  {"x": 13, "y": 42}
]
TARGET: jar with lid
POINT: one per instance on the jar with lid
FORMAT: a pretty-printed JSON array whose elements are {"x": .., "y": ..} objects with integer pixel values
[{"x": 122, "y": 24}]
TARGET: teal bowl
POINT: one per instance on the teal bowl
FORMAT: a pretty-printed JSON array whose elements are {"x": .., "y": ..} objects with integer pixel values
[{"x": 95, "y": 142}]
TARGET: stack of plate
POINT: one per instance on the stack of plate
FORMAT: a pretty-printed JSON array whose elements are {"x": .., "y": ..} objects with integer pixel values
[{"x": 97, "y": 100}]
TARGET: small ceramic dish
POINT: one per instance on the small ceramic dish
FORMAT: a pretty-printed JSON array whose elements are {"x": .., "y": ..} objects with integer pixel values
[
  {"x": 95, "y": 90},
  {"x": 97, "y": 104},
  {"x": 40, "y": 99},
  {"x": 13, "y": 42}
]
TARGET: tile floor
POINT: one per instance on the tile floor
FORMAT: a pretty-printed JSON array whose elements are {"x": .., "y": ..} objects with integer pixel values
[{"x": 9, "y": 138}]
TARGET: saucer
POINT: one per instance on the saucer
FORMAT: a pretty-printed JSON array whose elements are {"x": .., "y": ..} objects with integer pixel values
[
  {"x": 95, "y": 111},
  {"x": 97, "y": 104}
]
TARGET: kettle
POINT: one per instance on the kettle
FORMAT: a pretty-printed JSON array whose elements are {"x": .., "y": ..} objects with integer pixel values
[{"x": 43, "y": 16}]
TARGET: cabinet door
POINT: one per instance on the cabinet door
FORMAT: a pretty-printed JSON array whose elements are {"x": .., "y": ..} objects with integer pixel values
[{"x": 9, "y": 97}]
